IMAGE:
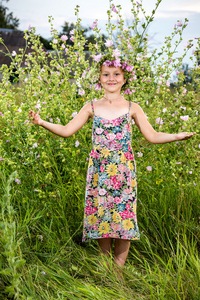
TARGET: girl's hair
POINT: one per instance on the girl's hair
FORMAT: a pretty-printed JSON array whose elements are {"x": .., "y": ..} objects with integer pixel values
[{"x": 110, "y": 60}]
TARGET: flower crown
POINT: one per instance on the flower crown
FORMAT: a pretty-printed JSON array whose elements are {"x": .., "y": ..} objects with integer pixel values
[{"x": 111, "y": 59}]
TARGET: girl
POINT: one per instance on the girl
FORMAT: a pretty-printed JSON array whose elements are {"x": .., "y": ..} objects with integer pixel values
[{"x": 110, "y": 199}]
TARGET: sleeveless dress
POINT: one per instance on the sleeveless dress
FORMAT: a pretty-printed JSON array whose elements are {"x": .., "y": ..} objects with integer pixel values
[{"x": 111, "y": 186}]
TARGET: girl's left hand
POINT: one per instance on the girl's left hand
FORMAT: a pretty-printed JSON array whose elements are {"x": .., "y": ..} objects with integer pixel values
[{"x": 184, "y": 136}]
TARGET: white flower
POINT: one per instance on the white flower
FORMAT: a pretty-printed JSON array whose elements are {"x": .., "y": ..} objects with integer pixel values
[
  {"x": 13, "y": 53},
  {"x": 139, "y": 154},
  {"x": 77, "y": 143},
  {"x": 35, "y": 145},
  {"x": 38, "y": 105},
  {"x": 109, "y": 43},
  {"x": 149, "y": 168},
  {"x": 74, "y": 114},
  {"x": 184, "y": 118}
]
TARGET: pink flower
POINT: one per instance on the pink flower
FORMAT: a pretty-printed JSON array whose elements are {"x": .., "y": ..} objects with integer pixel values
[
  {"x": 149, "y": 168},
  {"x": 114, "y": 9},
  {"x": 109, "y": 43},
  {"x": 129, "y": 68},
  {"x": 119, "y": 136},
  {"x": 81, "y": 92},
  {"x": 126, "y": 214},
  {"x": 1, "y": 159},
  {"x": 116, "y": 53},
  {"x": 111, "y": 136},
  {"x": 184, "y": 118},
  {"x": 64, "y": 38},
  {"x": 127, "y": 92},
  {"x": 55, "y": 41},
  {"x": 121, "y": 168},
  {"x": 84, "y": 73},
  {"x": 94, "y": 25},
  {"x": 115, "y": 226},
  {"x": 97, "y": 58},
  {"x": 107, "y": 63},
  {"x": 99, "y": 130},
  {"x": 17, "y": 180},
  {"x": 184, "y": 91},
  {"x": 102, "y": 169},
  {"x": 97, "y": 87},
  {"x": 117, "y": 63},
  {"x": 179, "y": 24},
  {"x": 159, "y": 121},
  {"x": 102, "y": 192}
]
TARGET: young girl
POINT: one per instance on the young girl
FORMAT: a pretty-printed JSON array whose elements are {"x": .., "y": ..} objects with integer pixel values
[{"x": 110, "y": 199}]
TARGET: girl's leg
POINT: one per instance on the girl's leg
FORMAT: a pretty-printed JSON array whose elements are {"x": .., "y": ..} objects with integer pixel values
[
  {"x": 121, "y": 251},
  {"x": 105, "y": 246}
]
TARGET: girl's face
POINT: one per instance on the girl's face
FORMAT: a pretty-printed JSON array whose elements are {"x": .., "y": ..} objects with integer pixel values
[{"x": 112, "y": 79}]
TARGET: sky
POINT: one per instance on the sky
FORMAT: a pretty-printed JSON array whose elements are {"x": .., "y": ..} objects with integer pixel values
[{"x": 36, "y": 13}]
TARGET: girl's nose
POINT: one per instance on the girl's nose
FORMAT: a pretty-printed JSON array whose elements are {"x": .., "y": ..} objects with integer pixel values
[{"x": 111, "y": 77}]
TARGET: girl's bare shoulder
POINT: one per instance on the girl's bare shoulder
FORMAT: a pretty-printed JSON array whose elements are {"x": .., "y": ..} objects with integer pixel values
[
  {"x": 87, "y": 108},
  {"x": 135, "y": 108}
]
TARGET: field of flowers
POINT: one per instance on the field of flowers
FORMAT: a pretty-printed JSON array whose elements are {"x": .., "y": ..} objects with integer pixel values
[{"x": 42, "y": 176}]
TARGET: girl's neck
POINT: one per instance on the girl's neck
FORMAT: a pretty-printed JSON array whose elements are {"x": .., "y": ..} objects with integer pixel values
[{"x": 112, "y": 98}]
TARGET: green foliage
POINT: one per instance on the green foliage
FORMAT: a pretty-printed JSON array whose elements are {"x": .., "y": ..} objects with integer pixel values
[{"x": 43, "y": 176}]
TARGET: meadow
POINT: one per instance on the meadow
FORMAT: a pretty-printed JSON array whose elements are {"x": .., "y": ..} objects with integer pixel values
[{"x": 43, "y": 176}]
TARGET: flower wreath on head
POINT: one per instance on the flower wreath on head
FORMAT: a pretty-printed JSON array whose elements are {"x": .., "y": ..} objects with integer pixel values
[{"x": 111, "y": 59}]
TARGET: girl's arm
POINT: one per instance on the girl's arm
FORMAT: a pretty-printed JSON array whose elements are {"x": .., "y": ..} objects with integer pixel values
[
  {"x": 149, "y": 133},
  {"x": 64, "y": 131}
]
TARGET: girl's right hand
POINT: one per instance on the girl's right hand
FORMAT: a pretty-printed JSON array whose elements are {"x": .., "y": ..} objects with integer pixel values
[{"x": 35, "y": 117}]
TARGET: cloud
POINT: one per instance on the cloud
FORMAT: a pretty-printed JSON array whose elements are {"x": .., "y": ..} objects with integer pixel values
[{"x": 177, "y": 14}]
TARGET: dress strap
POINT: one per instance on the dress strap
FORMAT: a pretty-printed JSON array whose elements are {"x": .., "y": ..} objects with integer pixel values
[
  {"x": 129, "y": 107},
  {"x": 92, "y": 105}
]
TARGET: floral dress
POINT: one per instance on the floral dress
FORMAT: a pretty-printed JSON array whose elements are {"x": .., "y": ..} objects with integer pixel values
[{"x": 111, "y": 186}]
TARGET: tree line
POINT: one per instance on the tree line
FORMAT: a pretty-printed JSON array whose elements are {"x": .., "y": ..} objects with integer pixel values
[{"x": 9, "y": 21}]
